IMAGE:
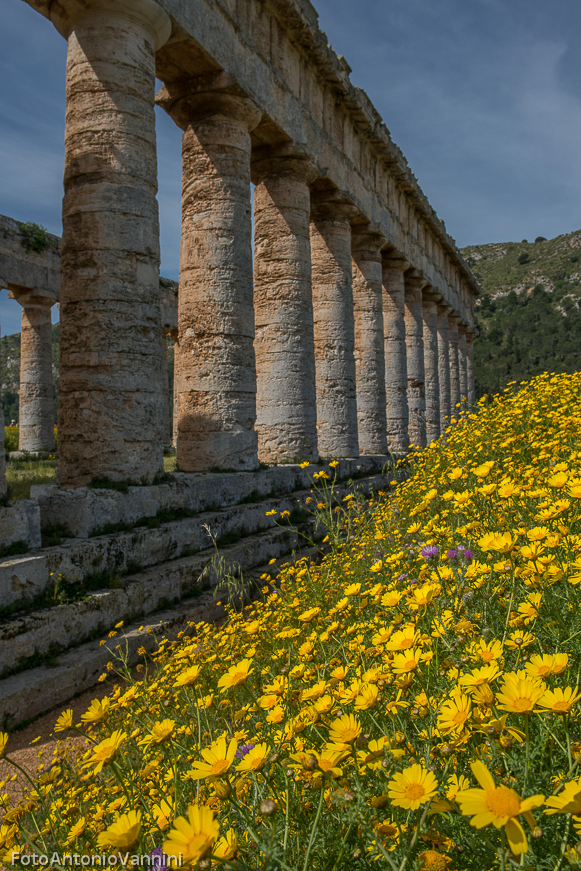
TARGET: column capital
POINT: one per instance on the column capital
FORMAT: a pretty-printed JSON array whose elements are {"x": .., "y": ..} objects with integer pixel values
[
  {"x": 415, "y": 281},
  {"x": 201, "y": 98},
  {"x": 431, "y": 295},
  {"x": 367, "y": 242},
  {"x": 28, "y": 298},
  {"x": 288, "y": 160},
  {"x": 66, "y": 13},
  {"x": 332, "y": 205},
  {"x": 397, "y": 264}
]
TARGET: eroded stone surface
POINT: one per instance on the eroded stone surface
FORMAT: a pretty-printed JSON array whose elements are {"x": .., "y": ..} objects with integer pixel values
[
  {"x": 334, "y": 329},
  {"x": 110, "y": 393},
  {"x": 414, "y": 332},
  {"x": 20, "y": 521},
  {"x": 432, "y": 381},
  {"x": 369, "y": 342},
  {"x": 285, "y": 354},
  {"x": 395, "y": 354},
  {"x": 216, "y": 399},
  {"x": 444, "y": 366}
]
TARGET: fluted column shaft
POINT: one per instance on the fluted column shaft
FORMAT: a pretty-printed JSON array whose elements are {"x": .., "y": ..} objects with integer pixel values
[
  {"x": 454, "y": 367},
  {"x": 471, "y": 392},
  {"x": 414, "y": 329},
  {"x": 36, "y": 397},
  {"x": 334, "y": 330},
  {"x": 217, "y": 375},
  {"x": 432, "y": 381},
  {"x": 394, "y": 334},
  {"x": 369, "y": 343},
  {"x": 286, "y": 414},
  {"x": 110, "y": 392},
  {"x": 462, "y": 364},
  {"x": 444, "y": 366}
]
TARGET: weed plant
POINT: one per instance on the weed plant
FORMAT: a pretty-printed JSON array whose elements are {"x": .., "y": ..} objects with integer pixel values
[{"x": 410, "y": 703}]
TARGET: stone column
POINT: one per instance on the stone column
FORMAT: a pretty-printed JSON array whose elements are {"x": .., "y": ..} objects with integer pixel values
[
  {"x": 432, "y": 381},
  {"x": 453, "y": 322},
  {"x": 110, "y": 392},
  {"x": 395, "y": 354},
  {"x": 369, "y": 342},
  {"x": 444, "y": 365},
  {"x": 334, "y": 328},
  {"x": 286, "y": 410},
  {"x": 462, "y": 374},
  {"x": 217, "y": 375},
  {"x": 36, "y": 398},
  {"x": 414, "y": 331},
  {"x": 471, "y": 392}
]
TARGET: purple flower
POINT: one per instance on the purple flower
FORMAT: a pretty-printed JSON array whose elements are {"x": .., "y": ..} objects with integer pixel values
[
  {"x": 242, "y": 751},
  {"x": 468, "y": 554},
  {"x": 402, "y": 577},
  {"x": 452, "y": 553},
  {"x": 431, "y": 551},
  {"x": 413, "y": 581},
  {"x": 157, "y": 856}
]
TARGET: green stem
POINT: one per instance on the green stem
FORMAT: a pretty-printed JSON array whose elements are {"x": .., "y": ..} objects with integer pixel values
[{"x": 314, "y": 829}]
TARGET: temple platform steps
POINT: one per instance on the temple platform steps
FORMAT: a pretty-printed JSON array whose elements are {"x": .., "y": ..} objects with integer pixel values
[{"x": 59, "y": 602}]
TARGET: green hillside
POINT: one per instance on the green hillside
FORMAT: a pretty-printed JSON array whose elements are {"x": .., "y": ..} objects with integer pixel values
[{"x": 528, "y": 318}]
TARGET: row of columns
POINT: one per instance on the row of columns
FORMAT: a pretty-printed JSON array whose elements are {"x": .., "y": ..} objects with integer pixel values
[{"x": 334, "y": 346}]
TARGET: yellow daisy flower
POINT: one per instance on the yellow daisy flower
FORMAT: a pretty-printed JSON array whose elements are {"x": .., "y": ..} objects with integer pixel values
[
  {"x": 219, "y": 757},
  {"x": 236, "y": 675},
  {"x": 412, "y": 787},
  {"x": 123, "y": 833},
  {"x": 192, "y": 838}
]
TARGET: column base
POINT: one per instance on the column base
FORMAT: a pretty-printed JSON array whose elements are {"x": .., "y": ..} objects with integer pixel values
[{"x": 218, "y": 451}]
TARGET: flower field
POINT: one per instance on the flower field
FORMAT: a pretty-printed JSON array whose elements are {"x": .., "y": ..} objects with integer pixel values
[{"x": 411, "y": 702}]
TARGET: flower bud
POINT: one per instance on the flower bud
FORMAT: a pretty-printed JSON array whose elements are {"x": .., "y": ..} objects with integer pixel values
[{"x": 267, "y": 807}]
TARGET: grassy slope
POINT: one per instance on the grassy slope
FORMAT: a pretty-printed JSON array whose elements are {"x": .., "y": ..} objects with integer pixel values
[{"x": 528, "y": 318}]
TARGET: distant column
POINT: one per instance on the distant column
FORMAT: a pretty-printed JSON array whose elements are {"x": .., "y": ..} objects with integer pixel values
[
  {"x": 334, "y": 328},
  {"x": 369, "y": 342},
  {"x": 444, "y": 365},
  {"x": 168, "y": 401},
  {"x": 471, "y": 392},
  {"x": 36, "y": 397},
  {"x": 286, "y": 404},
  {"x": 217, "y": 373},
  {"x": 462, "y": 365},
  {"x": 432, "y": 381},
  {"x": 414, "y": 330},
  {"x": 453, "y": 321},
  {"x": 394, "y": 333},
  {"x": 110, "y": 392}
]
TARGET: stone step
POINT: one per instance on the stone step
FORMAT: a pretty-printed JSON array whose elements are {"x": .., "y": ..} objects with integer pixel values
[
  {"x": 47, "y": 632},
  {"x": 27, "y": 695},
  {"x": 86, "y": 511},
  {"x": 24, "y": 579}
]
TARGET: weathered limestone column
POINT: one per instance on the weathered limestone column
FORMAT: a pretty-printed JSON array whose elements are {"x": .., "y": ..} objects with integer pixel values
[
  {"x": 395, "y": 354},
  {"x": 432, "y": 381},
  {"x": 414, "y": 331},
  {"x": 444, "y": 365},
  {"x": 36, "y": 398},
  {"x": 471, "y": 392},
  {"x": 369, "y": 342},
  {"x": 334, "y": 328},
  {"x": 217, "y": 374},
  {"x": 110, "y": 392},
  {"x": 453, "y": 321},
  {"x": 286, "y": 405},
  {"x": 462, "y": 363}
]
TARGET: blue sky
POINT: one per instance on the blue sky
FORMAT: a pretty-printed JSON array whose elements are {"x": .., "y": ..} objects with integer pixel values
[{"x": 482, "y": 96}]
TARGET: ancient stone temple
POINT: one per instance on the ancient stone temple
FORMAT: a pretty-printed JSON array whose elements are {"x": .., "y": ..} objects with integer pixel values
[{"x": 351, "y": 334}]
